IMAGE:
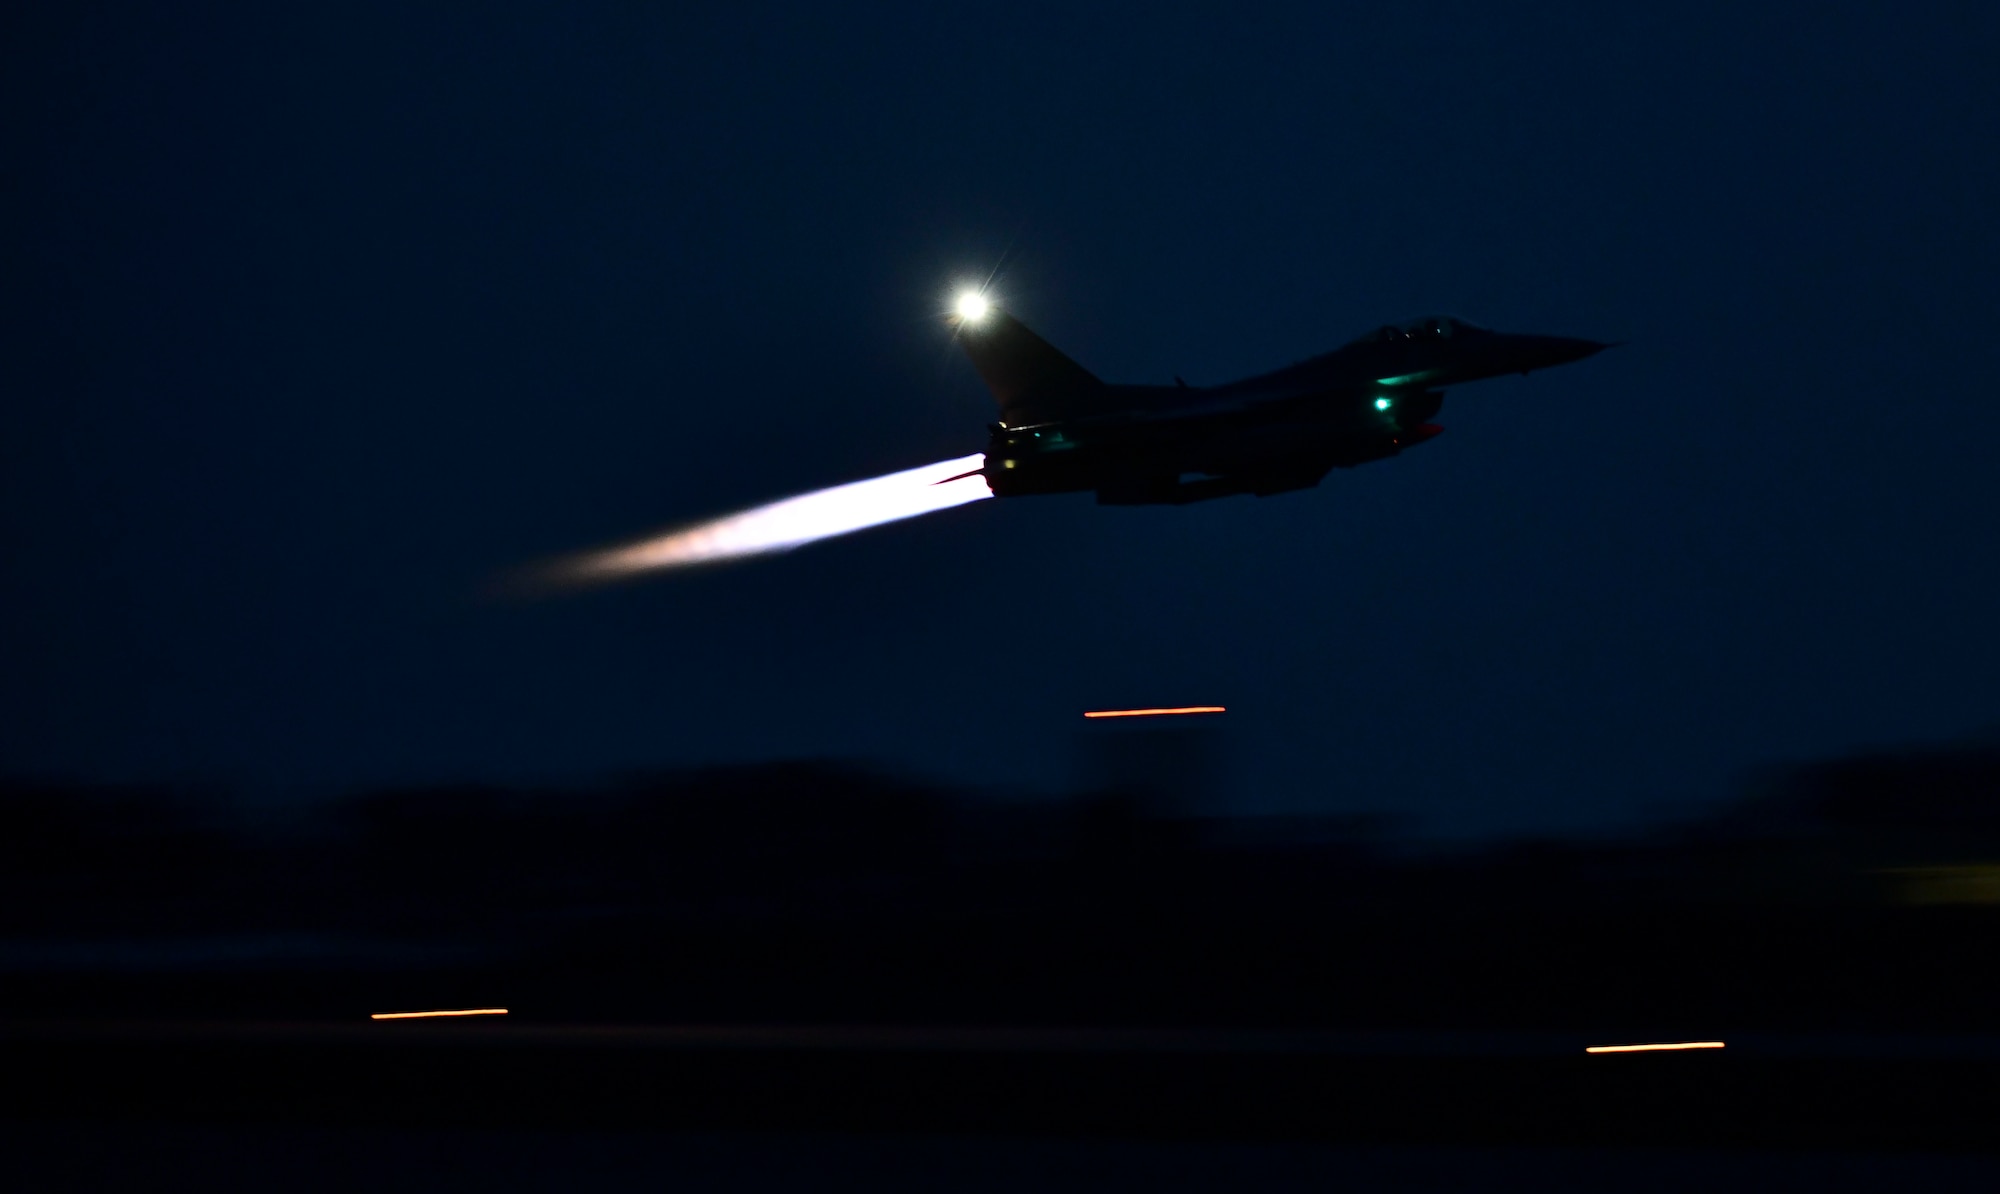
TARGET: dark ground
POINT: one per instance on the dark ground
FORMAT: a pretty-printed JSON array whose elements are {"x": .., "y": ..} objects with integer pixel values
[
  {"x": 745, "y": 974},
  {"x": 94, "y": 1157}
]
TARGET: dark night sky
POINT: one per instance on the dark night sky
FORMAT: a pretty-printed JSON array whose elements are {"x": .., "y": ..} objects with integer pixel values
[{"x": 313, "y": 324}]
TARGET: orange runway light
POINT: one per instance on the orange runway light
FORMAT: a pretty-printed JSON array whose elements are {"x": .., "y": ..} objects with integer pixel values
[
  {"x": 472, "y": 1011},
  {"x": 1653, "y": 1048},
  {"x": 1155, "y": 712}
]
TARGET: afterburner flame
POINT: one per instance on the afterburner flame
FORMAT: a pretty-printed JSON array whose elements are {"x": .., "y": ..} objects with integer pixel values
[{"x": 793, "y": 522}]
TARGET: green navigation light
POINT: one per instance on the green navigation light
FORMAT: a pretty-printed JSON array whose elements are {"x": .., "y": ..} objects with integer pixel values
[{"x": 1381, "y": 404}]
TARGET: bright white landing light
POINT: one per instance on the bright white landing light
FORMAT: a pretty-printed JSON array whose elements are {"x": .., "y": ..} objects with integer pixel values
[{"x": 971, "y": 306}]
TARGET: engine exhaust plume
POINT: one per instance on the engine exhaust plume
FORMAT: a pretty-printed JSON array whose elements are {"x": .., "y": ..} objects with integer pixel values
[{"x": 781, "y": 525}]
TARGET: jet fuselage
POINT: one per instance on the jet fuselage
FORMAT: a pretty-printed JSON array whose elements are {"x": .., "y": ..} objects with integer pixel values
[{"x": 1062, "y": 431}]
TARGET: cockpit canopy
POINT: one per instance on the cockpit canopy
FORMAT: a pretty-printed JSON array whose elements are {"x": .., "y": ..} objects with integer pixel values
[{"x": 1430, "y": 327}]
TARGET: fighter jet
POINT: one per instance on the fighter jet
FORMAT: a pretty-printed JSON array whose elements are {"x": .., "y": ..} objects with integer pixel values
[{"x": 1061, "y": 430}]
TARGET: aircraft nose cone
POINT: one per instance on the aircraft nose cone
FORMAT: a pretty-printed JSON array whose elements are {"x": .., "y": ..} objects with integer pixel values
[
  {"x": 1564, "y": 349},
  {"x": 1525, "y": 354}
]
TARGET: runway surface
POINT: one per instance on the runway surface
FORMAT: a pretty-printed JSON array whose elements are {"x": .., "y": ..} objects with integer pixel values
[{"x": 1422, "y": 1089}]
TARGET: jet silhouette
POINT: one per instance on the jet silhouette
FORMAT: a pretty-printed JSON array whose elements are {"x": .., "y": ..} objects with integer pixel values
[{"x": 1061, "y": 430}]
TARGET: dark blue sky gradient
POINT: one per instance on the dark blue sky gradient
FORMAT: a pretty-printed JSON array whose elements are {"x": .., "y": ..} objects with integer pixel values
[{"x": 313, "y": 324}]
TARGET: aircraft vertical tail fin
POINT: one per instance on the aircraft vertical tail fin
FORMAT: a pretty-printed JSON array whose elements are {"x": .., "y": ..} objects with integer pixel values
[{"x": 1031, "y": 380}]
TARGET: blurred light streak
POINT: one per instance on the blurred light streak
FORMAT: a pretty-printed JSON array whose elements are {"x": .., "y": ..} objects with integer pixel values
[
  {"x": 475, "y": 1011},
  {"x": 1653, "y": 1048},
  {"x": 791, "y": 522},
  {"x": 1156, "y": 712}
]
